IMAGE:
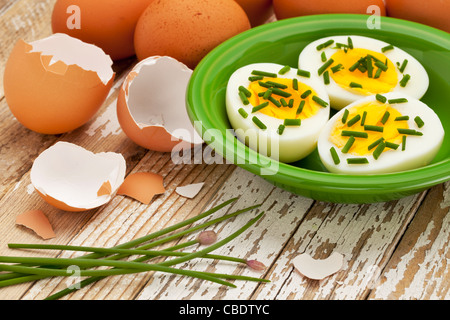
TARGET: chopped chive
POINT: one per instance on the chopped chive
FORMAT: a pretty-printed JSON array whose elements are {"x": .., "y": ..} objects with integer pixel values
[
  {"x": 292, "y": 122},
  {"x": 345, "y": 116},
  {"x": 280, "y": 92},
  {"x": 387, "y": 48},
  {"x": 381, "y": 65},
  {"x": 259, "y": 107},
  {"x": 284, "y": 70},
  {"x": 357, "y": 134},
  {"x": 353, "y": 120},
  {"x": 363, "y": 120},
  {"x": 275, "y": 101},
  {"x": 405, "y": 80},
  {"x": 320, "y": 102},
  {"x": 378, "y": 73},
  {"x": 379, "y": 150},
  {"x": 264, "y": 85},
  {"x": 323, "y": 56},
  {"x": 348, "y": 145},
  {"x": 400, "y": 100},
  {"x": 243, "y": 113},
  {"x": 267, "y": 94},
  {"x": 283, "y": 102},
  {"x": 350, "y": 43},
  {"x": 411, "y": 132},
  {"x": 325, "y": 66},
  {"x": 255, "y": 78},
  {"x": 337, "y": 68},
  {"x": 385, "y": 117},
  {"x": 335, "y": 156},
  {"x": 355, "y": 85},
  {"x": 247, "y": 93},
  {"x": 369, "y": 67},
  {"x": 276, "y": 85},
  {"x": 368, "y": 127},
  {"x": 402, "y": 118},
  {"x": 362, "y": 67},
  {"x": 341, "y": 45},
  {"x": 259, "y": 123},
  {"x": 281, "y": 129},
  {"x": 291, "y": 103},
  {"x": 303, "y": 73},
  {"x": 357, "y": 161},
  {"x": 264, "y": 74},
  {"x": 354, "y": 66},
  {"x": 373, "y": 145},
  {"x": 392, "y": 145},
  {"x": 243, "y": 98},
  {"x": 261, "y": 94},
  {"x": 403, "y": 143},
  {"x": 381, "y": 98},
  {"x": 325, "y": 44},
  {"x": 306, "y": 94},
  {"x": 295, "y": 84},
  {"x": 326, "y": 77},
  {"x": 301, "y": 106},
  {"x": 403, "y": 66},
  {"x": 419, "y": 122}
]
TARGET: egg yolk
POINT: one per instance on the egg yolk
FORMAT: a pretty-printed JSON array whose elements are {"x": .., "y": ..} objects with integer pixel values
[
  {"x": 363, "y": 70},
  {"x": 369, "y": 114},
  {"x": 286, "y": 105}
]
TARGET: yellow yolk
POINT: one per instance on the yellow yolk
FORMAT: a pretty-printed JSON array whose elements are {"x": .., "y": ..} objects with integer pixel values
[
  {"x": 284, "y": 112},
  {"x": 386, "y": 81},
  {"x": 374, "y": 114}
]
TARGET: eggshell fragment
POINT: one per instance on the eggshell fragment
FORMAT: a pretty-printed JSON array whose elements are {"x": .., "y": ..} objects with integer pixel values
[
  {"x": 72, "y": 178},
  {"x": 57, "y": 84},
  {"x": 37, "y": 221},
  {"x": 142, "y": 186},
  {"x": 151, "y": 106},
  {"x": 318, "y": 269},
  {"x": 189, "y": 191}
]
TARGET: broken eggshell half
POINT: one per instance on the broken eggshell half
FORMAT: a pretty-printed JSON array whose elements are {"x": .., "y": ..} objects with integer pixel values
[
  {"x": 56, "y": 84},
  {"x": 72, "y": 178},
  {"x": 151, "y": 107}
]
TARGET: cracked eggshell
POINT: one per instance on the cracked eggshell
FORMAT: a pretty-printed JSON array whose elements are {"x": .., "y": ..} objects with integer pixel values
[
  {"x": 318, "y": 269},
  {"x": 151, "y": 107},
  {"x": 56, "y": 84},
  {"x": 72, "y": 178}
]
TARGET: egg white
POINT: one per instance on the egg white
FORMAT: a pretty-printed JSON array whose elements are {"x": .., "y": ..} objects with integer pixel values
[
  {"x": 310, "y": 59},
  {"x": 420, "y": 150},
  {"x": 296, "y": 142}
]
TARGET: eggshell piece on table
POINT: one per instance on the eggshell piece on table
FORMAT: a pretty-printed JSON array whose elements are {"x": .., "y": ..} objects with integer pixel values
[
  {"x": 151, "y": 106},
  {"x": 57, "y": 84},
  {"x": 108, "y": 24},
  {"x": 190, "y": 191},
  {"x": 142, "y": 186},
  {"x": 318, "y": 269},
  {"x": 37, "y": 221},
  {"x": 72, "y": 178}
]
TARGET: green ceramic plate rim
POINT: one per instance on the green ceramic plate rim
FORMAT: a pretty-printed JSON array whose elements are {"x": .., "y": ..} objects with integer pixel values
[{"x": 421, "y": 178}]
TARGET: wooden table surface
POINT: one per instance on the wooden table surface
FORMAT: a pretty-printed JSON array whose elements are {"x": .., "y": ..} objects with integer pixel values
[{"x": 393, "y": 250}]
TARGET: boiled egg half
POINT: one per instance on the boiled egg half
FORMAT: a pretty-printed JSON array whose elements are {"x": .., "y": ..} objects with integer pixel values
[
  {"x": 276, "y": 111},
  {"x": 381, "y": 134},
  {"x": 353, "y": 67}
]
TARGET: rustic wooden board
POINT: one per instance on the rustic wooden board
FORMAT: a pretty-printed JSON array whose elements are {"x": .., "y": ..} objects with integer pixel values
[{"x": 393, "y": 250}]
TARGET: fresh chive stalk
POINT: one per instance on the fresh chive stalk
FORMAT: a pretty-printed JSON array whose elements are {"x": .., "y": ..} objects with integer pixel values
[
  {"x": 275, "y": 101},
  {"x": 281, "y": 93},
  {"x": 243, "y": 98},
  {"x": 403, "y": 66},
  {"x": 355, "y": 85}
]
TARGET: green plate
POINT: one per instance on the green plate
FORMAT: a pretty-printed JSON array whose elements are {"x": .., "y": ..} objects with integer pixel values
[{"x": 281, "y": 42}]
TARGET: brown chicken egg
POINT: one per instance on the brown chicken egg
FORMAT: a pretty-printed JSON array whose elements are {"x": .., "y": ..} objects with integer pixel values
[
  {"x": 258, "y": 11},
  {"x": 187, "y": 29},
  {"x": 434, "y": 13},
  {"x": 296, "y": 8},
  {"x": 57, "y": 84},
  {"x": 109, "y": 24}
]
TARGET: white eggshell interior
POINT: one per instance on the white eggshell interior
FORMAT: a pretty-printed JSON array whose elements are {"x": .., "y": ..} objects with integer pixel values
[
  {"x": 157, "y": 97},
  {"x": 74, "y": 175},
  {"x": 73, "y": 51},
  {"x": 190, "y": 191},
  {"x": 318, "y": 269}
]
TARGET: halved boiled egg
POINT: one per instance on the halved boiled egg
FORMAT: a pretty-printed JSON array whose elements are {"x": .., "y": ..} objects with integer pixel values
[
  {"x": 381, "y": 134},
  {"x": 353, "y": 67},
  {"x": 276, "y": 111}
]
